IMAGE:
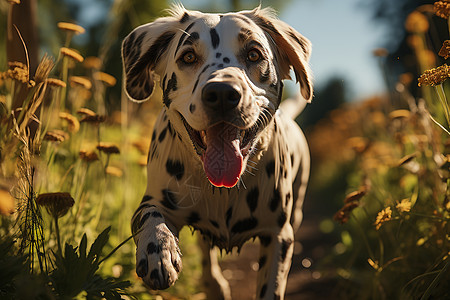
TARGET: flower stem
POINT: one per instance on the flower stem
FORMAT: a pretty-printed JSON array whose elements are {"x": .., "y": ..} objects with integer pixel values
[
  {"x": 58, "y": 239},
  {"x": 444, "y": 103}
]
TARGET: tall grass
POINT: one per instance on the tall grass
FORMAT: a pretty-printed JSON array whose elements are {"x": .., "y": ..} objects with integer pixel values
[{"x": 70, "y": 179}]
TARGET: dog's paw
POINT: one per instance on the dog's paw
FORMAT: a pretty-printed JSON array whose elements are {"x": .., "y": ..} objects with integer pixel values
[{"x": 158, "y": 257}]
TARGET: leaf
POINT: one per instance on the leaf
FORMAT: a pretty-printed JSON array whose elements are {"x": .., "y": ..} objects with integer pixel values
[
  {"x": 83, "y": 245},
  {"x": 97, "y": 246}
]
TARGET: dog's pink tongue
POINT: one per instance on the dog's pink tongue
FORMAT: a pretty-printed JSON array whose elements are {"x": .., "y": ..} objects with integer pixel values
[{"x": 223, "y": 159}]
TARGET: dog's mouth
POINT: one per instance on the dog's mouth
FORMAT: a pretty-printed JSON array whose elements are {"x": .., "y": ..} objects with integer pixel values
[{"x": 223, "y": 149}]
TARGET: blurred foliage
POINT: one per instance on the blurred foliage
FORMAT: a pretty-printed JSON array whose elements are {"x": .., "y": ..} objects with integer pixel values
[{"x": 385, "y": 162}]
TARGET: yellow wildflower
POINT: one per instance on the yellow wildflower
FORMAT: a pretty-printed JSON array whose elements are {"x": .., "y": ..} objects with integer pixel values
[
  {"x": 73, "y": 124},
  {"x": 404, "y": 205},
  {"x": 92, "y": 62},
  {"x": 72, "y": 53},
  {"x": 86, "y": 112},
  {"x": 80, "y": 81},
  {"x": 56, "y": 136},
  {"x": 383, "y": 216},
  {"x": 442, "y": 9},
  {"x": 416, "y": 22},
  {"x": 435, "y": 76},
  {"x": 114, "y": 171},
  {"x": 399, "y": 114},
  {"x": 77, "y": 29},
  {"x": 54, "y": 82},
  {"x": 106, "y": 78}
]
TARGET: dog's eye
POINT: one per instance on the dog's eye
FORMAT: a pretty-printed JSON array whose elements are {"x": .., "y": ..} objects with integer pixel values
[
  {"x": 254, "y": 55},
  {"x": 189, "y": 57}
]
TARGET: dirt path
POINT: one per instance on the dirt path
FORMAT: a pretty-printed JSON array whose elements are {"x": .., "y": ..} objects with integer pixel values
[{"x": 305, "y": 281}]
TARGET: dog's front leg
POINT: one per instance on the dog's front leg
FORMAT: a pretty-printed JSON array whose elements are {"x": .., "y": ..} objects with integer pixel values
[
  {"x": 217, "y": 287},
  {"x": 274, "y": 263},
  {"x": 158, "y": 257}
]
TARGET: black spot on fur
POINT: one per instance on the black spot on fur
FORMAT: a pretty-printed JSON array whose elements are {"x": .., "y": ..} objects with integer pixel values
[
  {"x": 156, "y": 214},
  {"x": 192, "y": 108},
  {"x": 184, "y": 18},
  {"x": 143, "y": 219},
  {"x": 154, "y": 275},
  {"x": 175, "y": 168},
  {"x": 142, "y": 268},
  {"x": 285, "y": 244},
  {"x": 171, "y": 86},
  {"x": 263, "y": 291},
  {"x": 195, "y": 85},
  {"x": 265, "y": 240},
  {"x": 193, "y": 218},
  {"x": 162, "y": 135},
  {"x": 146, "y": 198},
  {"x": 214, "y": 223},
  {"x": 226, "y": 60},
  {"x": 228, "y": 215},
  {"x": 182, "y": 37},
  {"x": 153, "y": 248},
  {"x": 218, "y": 55},
  {"x": 281, "y": 219},
  {"x": 220, "y": 65},
  {"x": 244, "y": 225},
  {"x": 275, "y": 201},
  {"x": 252, "y": 198},
  {"x": 215, "y": 40},
  {"x": 169, "y": 199},
  {"x": 270, "y": 168},
  {"x": 262, "y": 261}
]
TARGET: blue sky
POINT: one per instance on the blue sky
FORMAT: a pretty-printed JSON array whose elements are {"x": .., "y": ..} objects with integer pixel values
[{"x": 343, "y": 37}]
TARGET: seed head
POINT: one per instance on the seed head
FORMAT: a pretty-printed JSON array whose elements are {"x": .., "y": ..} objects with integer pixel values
[
  {"x": 73, "y": 124},
  {"x": 70, "y": 27},
  {"x": 442, "y": 9},
  {"x": 88, "y": 156},
  {"x": 435, "y": 76},
  {"x": 108, "y": 148},
  {"x": 43, "y": 69},
  {"x": 114, "y": 171},
  {"x": 86, "y": 112},
  {"x": 354, "y": 196},
  {"x": 106, "y": 78},
  {"x": 80, "y": 81},
  {"x": 56, "y": 136},
  {"x": 72, "y": 53},
  {"x": 57, "y": 204},
  {"x": 343, "y": 215},
  {"x": 445, "y": 49},
  {"x": 54, "y": 82},
  {"x": 383, "y": 216},
  {"x": 92, "y": 62}
]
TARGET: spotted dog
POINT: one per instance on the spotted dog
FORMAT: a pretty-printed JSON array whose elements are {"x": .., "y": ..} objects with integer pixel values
[{"x": 226, "y": 157}]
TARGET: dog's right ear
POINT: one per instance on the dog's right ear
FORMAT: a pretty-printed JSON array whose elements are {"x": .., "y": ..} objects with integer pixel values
[{"x": 142, "y": 49}]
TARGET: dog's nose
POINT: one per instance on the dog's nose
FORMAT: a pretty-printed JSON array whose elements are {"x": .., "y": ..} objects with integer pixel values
[{"x": 219, "y": 95}]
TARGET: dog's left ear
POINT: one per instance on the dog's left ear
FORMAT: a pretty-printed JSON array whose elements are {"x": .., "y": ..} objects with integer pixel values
[
  {"x": 292, "y": 48},
  {"x": 142, "y": 49}
]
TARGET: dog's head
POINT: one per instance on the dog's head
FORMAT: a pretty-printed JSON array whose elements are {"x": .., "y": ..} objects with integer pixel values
[{"x": 221, "y": 77}]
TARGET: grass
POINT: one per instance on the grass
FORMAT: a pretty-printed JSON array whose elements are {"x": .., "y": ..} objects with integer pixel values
[{"x": 70, "y": 178}]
